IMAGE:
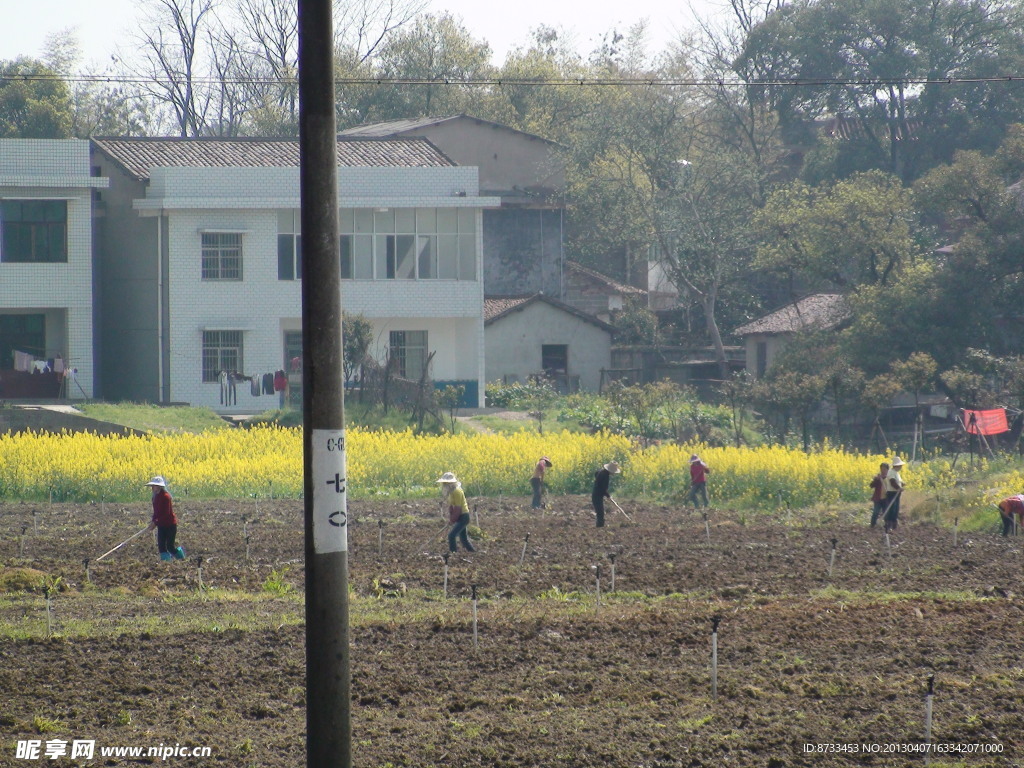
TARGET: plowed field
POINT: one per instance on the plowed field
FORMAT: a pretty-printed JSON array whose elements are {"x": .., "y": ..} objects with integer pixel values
[{"x": 813, "y": 668}]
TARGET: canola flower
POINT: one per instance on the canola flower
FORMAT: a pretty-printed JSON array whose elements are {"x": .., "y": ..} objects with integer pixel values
[{"x": 267, "y": 461}]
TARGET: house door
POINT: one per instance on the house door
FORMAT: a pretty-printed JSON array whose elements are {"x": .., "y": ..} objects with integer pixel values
[
  {"x": 554, "y": 361},
  {"x": 22, "y": 333},
  {"x": 293, "y": 367}
]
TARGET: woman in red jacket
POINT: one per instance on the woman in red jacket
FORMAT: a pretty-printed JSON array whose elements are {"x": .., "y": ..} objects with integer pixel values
[{"x": 165, "y": 521}]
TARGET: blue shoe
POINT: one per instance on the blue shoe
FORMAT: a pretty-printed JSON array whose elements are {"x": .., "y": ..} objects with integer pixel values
[
  {"x": 165, "y": 555},
  {"x": 179, "y": 553}
]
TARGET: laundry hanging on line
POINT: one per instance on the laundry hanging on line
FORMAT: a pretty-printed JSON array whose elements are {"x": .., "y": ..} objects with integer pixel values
[{"x": 988, "y": 422}]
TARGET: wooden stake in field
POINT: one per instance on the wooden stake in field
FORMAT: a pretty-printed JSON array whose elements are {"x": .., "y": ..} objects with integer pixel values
[
  {"x": 88, "y": 575},
  {"x": 611, "y": 556},
  {"x": 21, "y": 547},
  {"x": 245, "y": 534},
  {"x": 832, "y": 557},
  {"x": 199, "y": 572},
  {"x": 888, "y": 545},
  {"x": 707, "y": 526},
  {"x": 380, "y": 538},
  {"x": 597, "y": 575},
  {"x": 526, "y": 541},
  {"x": 476, "y": 636},
  {"x": 714, "y": 657},
  {"x": 447, "y": 555},
  {"x": 48, "y": 594},
  {"x": 956, "y": 529},
  {"x": 928, "y": 718}
]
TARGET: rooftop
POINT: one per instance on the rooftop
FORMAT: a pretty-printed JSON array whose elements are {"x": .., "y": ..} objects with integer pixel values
[{"x": 819, "y": 310}]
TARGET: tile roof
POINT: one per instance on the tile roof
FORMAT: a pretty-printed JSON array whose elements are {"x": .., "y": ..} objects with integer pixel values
[
  {"x": 499, "y": 306},
  {"x": 396, "y": 127},
  {"x": 139, "y": 155},
  {"x": 616, "y": 286},
  {"x": 819, "y": 310}
]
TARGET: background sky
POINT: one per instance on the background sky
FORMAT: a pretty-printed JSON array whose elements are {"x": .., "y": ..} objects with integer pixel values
[{"x": 103, "y": 25}]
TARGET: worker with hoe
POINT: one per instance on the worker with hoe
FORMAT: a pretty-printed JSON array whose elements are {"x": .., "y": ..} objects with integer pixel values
[
  {"x": 893, "y": 491},
  {"x": 165, "y": 521},
  {"x": 458, "y": 511},
  {"x": 602, "y": 479},
  {"x": 877, "y": 486},
  {"x": 537, "y": 481},
  {"x": 699, "y": 472},
  {"x": 1008, "y": 507}
]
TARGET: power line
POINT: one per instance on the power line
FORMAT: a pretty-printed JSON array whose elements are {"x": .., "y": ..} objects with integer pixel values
[{"x": 554, "y": 81}]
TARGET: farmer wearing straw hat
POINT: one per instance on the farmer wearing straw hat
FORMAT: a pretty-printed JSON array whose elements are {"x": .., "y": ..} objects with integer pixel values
[
  {"x": 1008, "y": 507},
  {"x": 602, "y": 479},
  {"x": 698, "y": 480},
  {"x": 458, "y": 511},
  {"x": 165, "y": 521},
  {"x": 893, "y": 489},
  {"x": 537, "y": 481}
]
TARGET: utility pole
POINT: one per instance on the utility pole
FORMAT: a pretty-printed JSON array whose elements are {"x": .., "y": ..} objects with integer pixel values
[{"x": 328, "y": 702}]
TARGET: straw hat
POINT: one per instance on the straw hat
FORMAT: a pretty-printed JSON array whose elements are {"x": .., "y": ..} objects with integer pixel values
[
  {"x": 157, "y": 481},
  {"x": 448, "y": 477},
  {"x": 612, "y": 467},
  {"x": 897, "y": 462},
  {"x": 546, "y": 460},
  {"x": 694, "y": 458}
]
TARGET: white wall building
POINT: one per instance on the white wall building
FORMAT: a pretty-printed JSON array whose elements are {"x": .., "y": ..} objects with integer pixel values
[
  {"x": 46, "y": 269},
  {"x": 201, "y": 272}
]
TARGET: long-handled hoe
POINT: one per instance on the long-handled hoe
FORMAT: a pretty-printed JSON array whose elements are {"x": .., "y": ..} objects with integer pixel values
[
  {"x": 619, "y": 508},
  {"x": 112, "y": 551}
]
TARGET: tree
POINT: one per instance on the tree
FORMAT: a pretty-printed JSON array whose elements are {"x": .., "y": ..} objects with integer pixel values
[
  {"x": 856, "y": 232},
  {"x": 915, "y": 374},
  {"x": 34, "y": 101},
  {"x": 737, "y": 391},
  {"x": 357, "y": 335}
]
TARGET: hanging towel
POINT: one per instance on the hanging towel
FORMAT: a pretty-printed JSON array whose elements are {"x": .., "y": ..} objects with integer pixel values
[
  {"x": 280, "y": 381},
  {"x": 268, "y": 383}
]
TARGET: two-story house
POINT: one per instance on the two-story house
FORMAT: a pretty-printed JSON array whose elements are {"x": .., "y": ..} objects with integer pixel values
[
  {"x": 199, "y": 246},
  {"x": 46, "y": 270}
]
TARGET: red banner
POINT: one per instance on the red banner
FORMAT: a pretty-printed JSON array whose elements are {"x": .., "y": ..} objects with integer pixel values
[{"x": 985, "y": 422}]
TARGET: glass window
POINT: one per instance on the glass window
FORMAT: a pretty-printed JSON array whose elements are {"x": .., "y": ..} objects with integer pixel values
[
  {"x": 405, "y": 220},
  {"x": 34, "y": 231},
  {"x": 222, "y": 256},
  {"x": 362, "y": 257},
  {"x": 222, "y": 351},
  {"x": 447, "y": 220},
  {"x": 289, "y": 257},
  {"x": 448, "y": 257},
  {"x": 384, "y": 220},
  {"x": 467, "y": 257},
  {"x": 408, "y": 350},
  {"x": 346, "y": 220},
  {"x": 427, "y": 256}
]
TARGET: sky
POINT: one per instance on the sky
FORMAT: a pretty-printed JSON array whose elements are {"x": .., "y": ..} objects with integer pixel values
[{"x": 102, "y": 25}]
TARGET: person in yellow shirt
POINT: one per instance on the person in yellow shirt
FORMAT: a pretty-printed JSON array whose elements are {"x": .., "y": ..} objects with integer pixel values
[{"x": 458, "y": 512}]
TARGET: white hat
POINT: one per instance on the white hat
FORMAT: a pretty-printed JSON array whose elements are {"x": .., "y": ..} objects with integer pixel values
[
  {"x": 612, "y": 467},
  {"x": 157, "y": 481},
  {"x": 448, "y": 477},
  {"x": 897, "y": 462}
]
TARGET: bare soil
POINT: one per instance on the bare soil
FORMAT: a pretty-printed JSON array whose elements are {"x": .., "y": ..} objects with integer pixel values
[{"x": 556, "y": 678}]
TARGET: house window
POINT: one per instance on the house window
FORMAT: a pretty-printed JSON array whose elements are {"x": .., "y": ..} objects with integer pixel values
[
  {"x": 289, "y": 257},
  {"x": 21, "y": 333},
  {"x": 761, "y": 356},
  {"x": 34, "y": 231},
  {"x": 408, "y": 244},
  {"x": 409, "y": 351},
  {"x": 222, "y": 255},
  {"x": 222, "y": 351}
]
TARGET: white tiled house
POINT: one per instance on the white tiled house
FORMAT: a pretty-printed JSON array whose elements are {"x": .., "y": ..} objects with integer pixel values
[
  {"x": 199, "y": 253},
  {"x": 46, "y": 270}
]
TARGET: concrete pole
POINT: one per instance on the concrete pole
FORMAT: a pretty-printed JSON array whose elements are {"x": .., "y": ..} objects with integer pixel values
[{"x": 328, "y": 704}]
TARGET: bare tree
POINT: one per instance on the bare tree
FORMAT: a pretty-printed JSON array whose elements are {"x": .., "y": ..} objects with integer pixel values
[{"x": 172, "y": 61}]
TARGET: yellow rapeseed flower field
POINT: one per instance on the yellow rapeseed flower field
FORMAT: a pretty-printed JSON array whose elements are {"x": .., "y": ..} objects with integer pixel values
[{"x": 267, "y": 461}]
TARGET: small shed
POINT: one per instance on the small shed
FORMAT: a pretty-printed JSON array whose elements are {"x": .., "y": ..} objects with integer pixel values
[
  {"x": 528, "y": 336},
  {"x": 766, "y": 336}
]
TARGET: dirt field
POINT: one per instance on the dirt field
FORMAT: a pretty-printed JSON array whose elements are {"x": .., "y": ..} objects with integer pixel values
[{"x": 812, "y": 669}]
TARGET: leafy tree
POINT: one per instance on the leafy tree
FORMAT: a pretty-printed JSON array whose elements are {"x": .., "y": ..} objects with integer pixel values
[
  {"x": 450, "y": 398},
  {"x": 357, "y": 335},
  {"x": 737, "y": 391},
  {"x": 878, "y": 393},
  {"x": 34, "y": 101}
]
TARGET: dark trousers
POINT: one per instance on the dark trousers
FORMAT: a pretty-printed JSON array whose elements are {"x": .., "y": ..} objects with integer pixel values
[
  {"x": 892, "y": 517},
  {"x": 877, "y": 511},
  {"x": 598, "y": 502},
  {"x": 165, "y": 535},
  {"x": 537, "y": 485},
  {"x": 698, "y": 490},
  {"x": 458, "y": 531},
  {"x": 1007, "y": 524}
]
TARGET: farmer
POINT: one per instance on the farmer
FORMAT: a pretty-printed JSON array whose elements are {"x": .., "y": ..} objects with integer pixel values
[
  {"x": 893, "y": 489},
  {"x": 1008, "y": 507},
  {"x": 165, "y": 521},
  {"x": 602, "y": 479},
  {"x": 698, "y": 480},
  {"x": 537, "y": 481},
  {"x": 877, "y": 485},
  {"x": 458, "y": 511}
]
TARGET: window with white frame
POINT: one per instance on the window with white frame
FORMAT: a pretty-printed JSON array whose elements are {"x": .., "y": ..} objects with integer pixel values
[
  {"x": 289, "y": 257},
  {"x": 34, "y": 231},
  {"x": 222, "y": 255},
  {"x": 408, "y": 244},
  {"x": 408, "y": 350},
  {"x": 222, "y": 351}
]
